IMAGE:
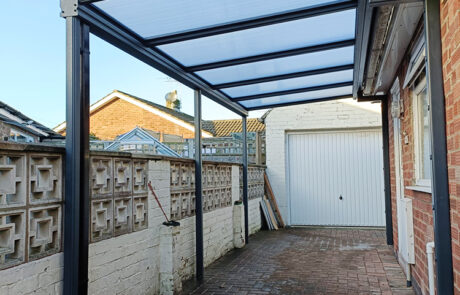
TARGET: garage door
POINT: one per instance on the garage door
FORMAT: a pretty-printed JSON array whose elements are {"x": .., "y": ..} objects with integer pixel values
[{"x": 336, "y": 178}]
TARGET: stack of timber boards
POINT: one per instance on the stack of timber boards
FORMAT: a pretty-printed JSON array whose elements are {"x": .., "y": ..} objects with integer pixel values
[
  {"x": 268, "y": 213},
  {"x": 272, "y": 201}
]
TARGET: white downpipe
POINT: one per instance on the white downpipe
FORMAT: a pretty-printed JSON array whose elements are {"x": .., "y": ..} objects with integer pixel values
[{"x": 429, "y": 255}]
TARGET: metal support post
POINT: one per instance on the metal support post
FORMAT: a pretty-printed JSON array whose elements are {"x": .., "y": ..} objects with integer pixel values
[
  {"x": 245, "y": 179},
  {"x": 198, "y": 190},
  {"x": 440, "y": 178},
  {"x": 386, "y": 172},
  {"x": 76, "y": 207}
]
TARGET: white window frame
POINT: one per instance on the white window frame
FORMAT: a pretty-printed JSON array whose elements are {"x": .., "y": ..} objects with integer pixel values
[
  {"x": 16, "y": 133},
  {"x": 423, "y": 183}
]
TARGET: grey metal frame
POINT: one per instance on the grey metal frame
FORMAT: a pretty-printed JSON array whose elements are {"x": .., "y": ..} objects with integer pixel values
[
  {"x": 124, "y": 39},
  {"x": 145, "y": 50},
  {"x": 254, "y": 23},
  {"x": 386, "y": 171},
  {"x": 245, "y": 178},
  {"x": 440, "y": 178},
  {"x": 293, "y": 91},
  {"x": 76, "y": 221},
  {"x": 198, "y": 190},
  {"x": 82, "y": 17},
  {"x": 283, "y": 76},
  {"x": 272, "y": 55}
]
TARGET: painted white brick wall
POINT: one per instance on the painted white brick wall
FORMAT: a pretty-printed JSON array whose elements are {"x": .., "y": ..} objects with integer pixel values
[
  {"x": 315, "y": 116},
  {"x": 129, "y": 264},
  {"x": 43, "y": 276},
  {"x": 255, "y": 221},
  {"x": 217, "y": 239}
]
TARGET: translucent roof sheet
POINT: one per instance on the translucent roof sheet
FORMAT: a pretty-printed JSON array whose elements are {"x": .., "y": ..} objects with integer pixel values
[
  {"x": 317, "y": 30},
  {"x": 285, "y": 65},
  {"x": 240, "y": 53},
  {"x": 292, "y": 98},
  {"x": 288, "y": 84},
  {"x": 154, "y": 18}
]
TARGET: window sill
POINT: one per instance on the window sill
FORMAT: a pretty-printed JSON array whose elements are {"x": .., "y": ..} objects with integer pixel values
[{"x": 419, "y": 188}]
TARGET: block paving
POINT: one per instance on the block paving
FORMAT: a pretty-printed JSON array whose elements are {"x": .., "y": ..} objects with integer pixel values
[{"x": 307, "y": 261}]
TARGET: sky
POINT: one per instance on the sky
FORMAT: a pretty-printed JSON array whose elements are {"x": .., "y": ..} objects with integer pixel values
[{"x": 32, "y": 67}]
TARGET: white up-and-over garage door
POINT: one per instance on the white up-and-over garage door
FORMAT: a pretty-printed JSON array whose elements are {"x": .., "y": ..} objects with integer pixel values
[{"x": 336, "y": 178}]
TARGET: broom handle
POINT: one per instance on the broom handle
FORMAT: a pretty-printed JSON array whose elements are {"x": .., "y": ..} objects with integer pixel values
[{"x": 158, "y": 201}]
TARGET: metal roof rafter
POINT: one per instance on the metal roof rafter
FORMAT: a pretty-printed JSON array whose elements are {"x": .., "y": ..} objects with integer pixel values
[
  {"x": 272, "y": 55},
  {"x": 116, "y": 34},
  {"x": 252, "y": 23},
  {"x": 283, "y": 76},
  {"x": 285, "y": 104},
  {"x": 293, "y": 91}
]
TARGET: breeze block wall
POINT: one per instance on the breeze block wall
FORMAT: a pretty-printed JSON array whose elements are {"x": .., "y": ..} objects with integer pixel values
[
  {"x": 221, "y": 187},
  {"x": 130, "y": 250},
  {"x": 450, "y": 38}
]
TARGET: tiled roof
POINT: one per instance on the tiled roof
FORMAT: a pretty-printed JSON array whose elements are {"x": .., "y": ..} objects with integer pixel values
[
  {"x": 218, "y": 128},
  {"x": 180, "y": 115},
  {"x": 223, "y": 128}
]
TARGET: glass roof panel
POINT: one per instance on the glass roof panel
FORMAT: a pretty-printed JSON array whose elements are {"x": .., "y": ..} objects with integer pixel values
[
  {"x": 321, "y": 29},
  {"x": 287, "y": 84},
  {"x": 312, "y": 95},
  {"x": 155, "y": 18},
  {"x": 279, "y": 66}
]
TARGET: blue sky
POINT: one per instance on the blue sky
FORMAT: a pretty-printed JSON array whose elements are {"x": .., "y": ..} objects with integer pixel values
[{"x": 32, "y": 67}]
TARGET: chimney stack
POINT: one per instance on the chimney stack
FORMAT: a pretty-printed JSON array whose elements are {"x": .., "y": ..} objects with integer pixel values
[{"x": 172, "y": 101}]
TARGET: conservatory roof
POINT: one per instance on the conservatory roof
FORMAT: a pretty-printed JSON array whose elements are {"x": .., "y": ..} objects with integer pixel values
[{"x": 244, "y": 54}]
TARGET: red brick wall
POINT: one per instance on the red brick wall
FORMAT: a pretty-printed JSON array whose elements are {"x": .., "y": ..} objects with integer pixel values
[
  {"x": 421, "y": 202},
  {"x": 119, "y": 116},
  {"x": 450, "y": 35}
]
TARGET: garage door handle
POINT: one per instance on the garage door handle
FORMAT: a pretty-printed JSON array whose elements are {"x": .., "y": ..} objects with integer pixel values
[{"x": 340, "y": 198}]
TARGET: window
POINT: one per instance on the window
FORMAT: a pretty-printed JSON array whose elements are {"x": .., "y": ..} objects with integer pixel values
[
  {"x": 422, "y": 140},
  {"x": 18, "y": 136}
]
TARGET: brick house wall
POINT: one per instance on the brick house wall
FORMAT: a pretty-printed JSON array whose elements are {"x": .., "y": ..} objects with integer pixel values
[
  {"x": 450, "y": 35},
  {"x": 119, "y": 116},
  {"x": 421, "y": 201}
]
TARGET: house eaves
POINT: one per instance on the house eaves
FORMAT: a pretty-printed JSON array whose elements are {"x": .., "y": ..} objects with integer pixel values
[{"x": 391, "y": 34}]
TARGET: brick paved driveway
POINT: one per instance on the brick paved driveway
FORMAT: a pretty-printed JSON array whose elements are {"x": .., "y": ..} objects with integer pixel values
[{"x": 307, "y": 261}]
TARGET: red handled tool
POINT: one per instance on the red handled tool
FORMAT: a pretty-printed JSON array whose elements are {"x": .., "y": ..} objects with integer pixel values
[{"x": 167, "y": 222}]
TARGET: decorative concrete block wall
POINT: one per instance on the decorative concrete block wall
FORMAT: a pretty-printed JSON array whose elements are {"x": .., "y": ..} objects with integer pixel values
[
  {"x": 130, "y": 262},
  {"x": 127, "y": 237},
  {"x": 31, "y": 198}
]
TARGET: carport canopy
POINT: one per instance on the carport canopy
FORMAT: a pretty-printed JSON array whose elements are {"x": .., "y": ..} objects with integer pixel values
[{"x": 245, "y": 55}]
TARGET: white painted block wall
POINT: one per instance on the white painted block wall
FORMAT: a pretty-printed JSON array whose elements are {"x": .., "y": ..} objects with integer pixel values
[
  {"x": 130, "y": 263},
  {"x": 330, "y": 115},
  {"x": 255, "y": 219},
  {"x": 43, "y": 276}
]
